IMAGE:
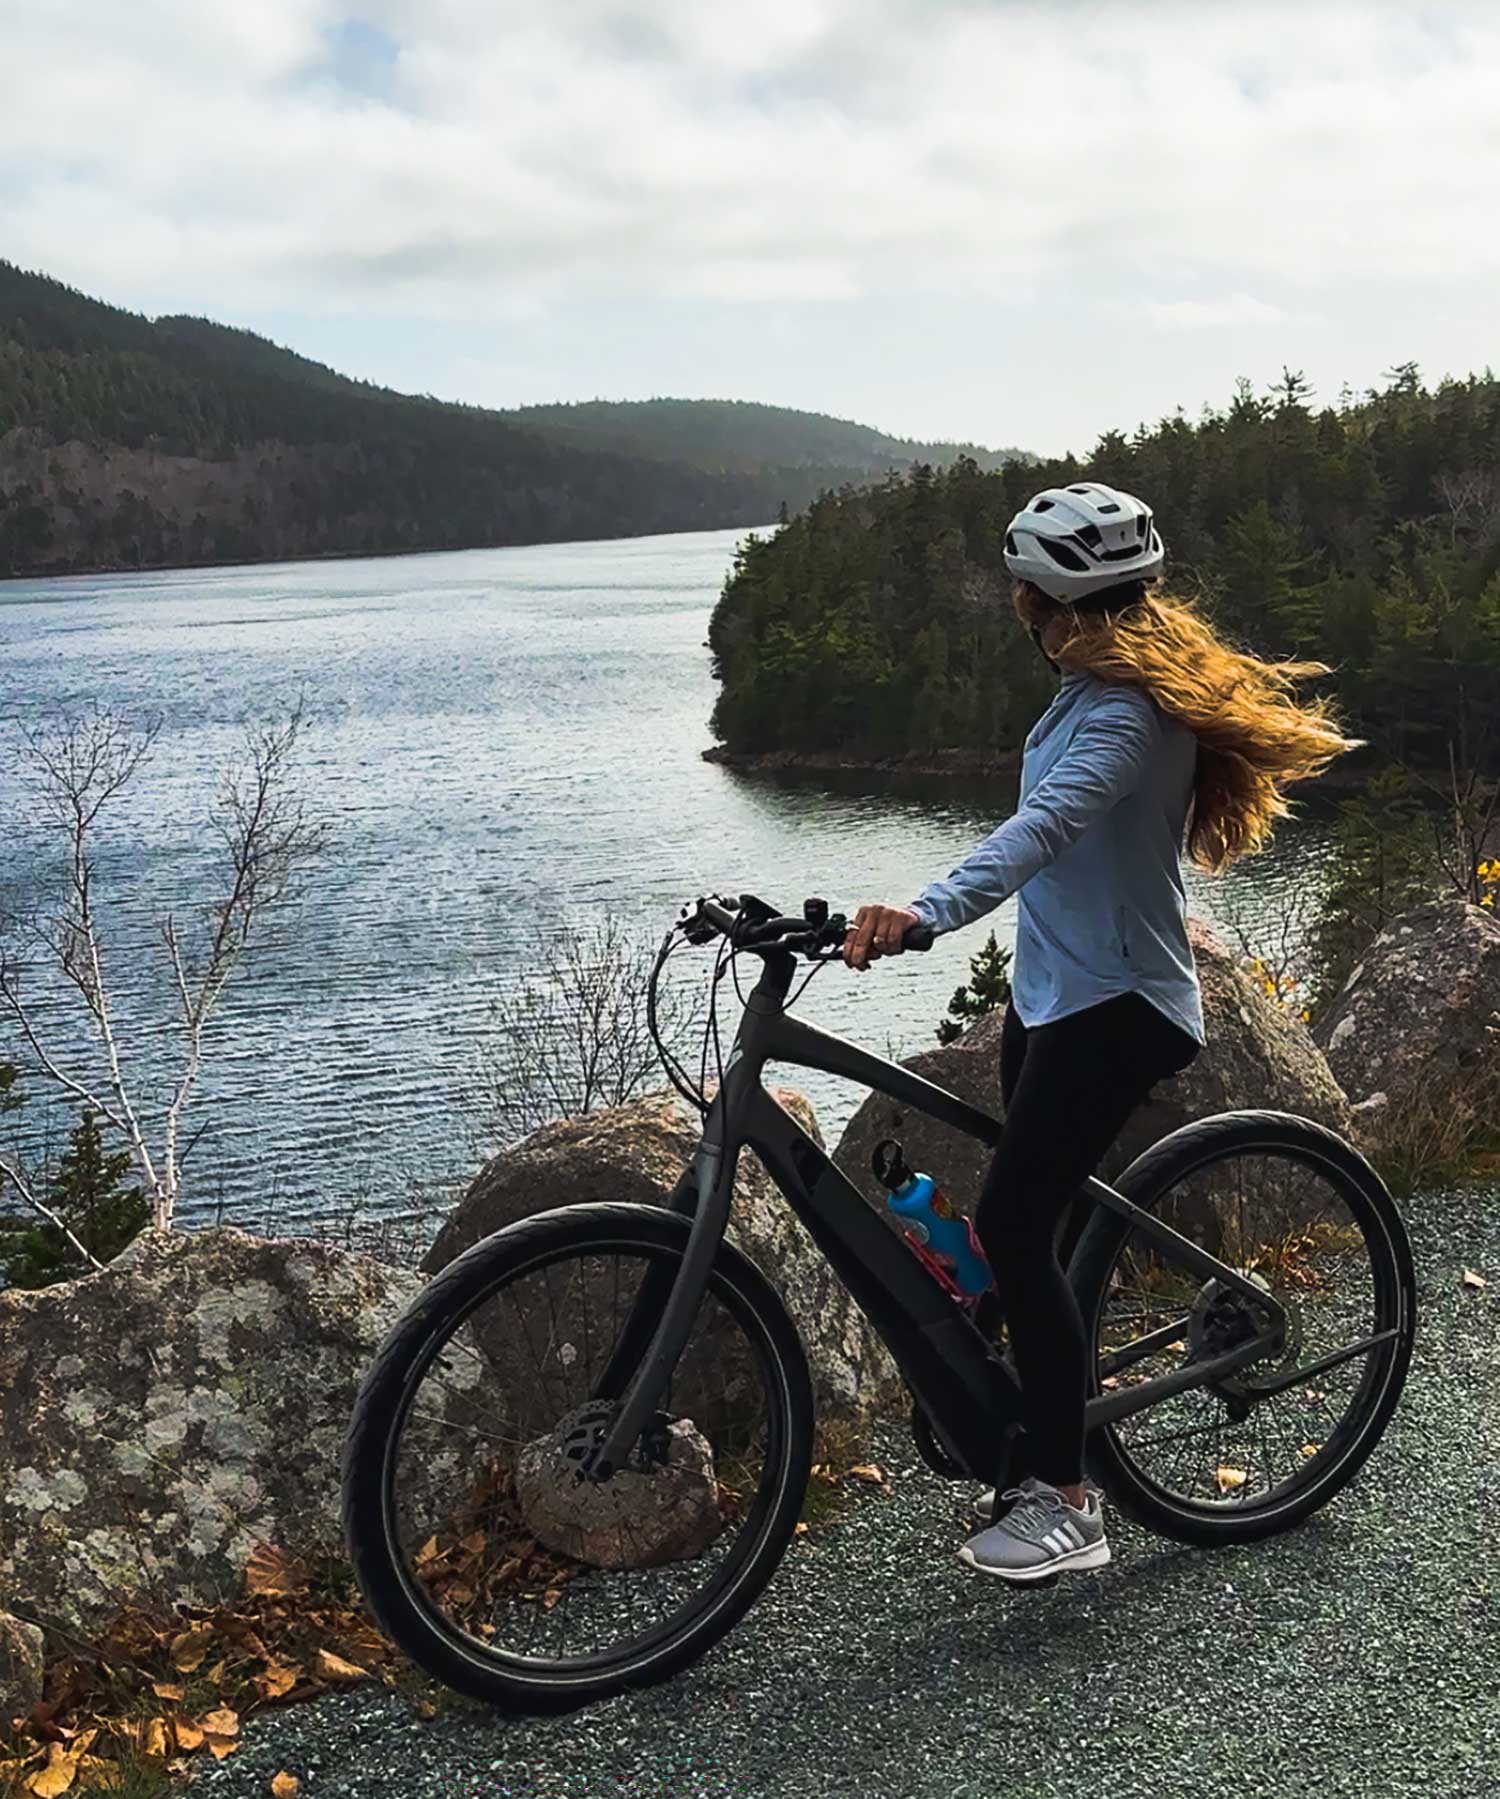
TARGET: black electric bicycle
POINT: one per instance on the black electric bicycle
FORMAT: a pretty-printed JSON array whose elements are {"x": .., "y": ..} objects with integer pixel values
[{"x": 582, "y": 1451}]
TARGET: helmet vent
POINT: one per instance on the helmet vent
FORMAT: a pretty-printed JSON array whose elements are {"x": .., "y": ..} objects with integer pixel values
[
  {"x": 1044, "y": 505},
  {"x": 1063, "y": 556},
  {"x": 1106, "y": 506}
]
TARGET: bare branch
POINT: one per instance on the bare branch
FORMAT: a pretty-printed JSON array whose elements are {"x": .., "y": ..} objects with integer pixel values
[
  {"x": 573, "y": 1036},
  {"x": 74, "y": 769},
  {"x": 10, "y": 995},
  {"x": 266, "y": 833},
  {"x": 13, "y": 1174}
]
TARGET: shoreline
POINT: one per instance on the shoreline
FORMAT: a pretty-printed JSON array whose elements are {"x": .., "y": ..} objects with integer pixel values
[
  {"x": 968, "y": 763},
  {"x": 84, "y": 572},
  {"x": 964, "y": 764}
]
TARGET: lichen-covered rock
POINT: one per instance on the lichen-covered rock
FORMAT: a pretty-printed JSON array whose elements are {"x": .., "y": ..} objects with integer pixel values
[
  {"x": 968, "y": 1067},
  {"x": 1258, "y": 1054},
  {"x": 159, "y": 1419},
  {"x": 636, "y": 1152},
  {"x": 21, "y": 1669},
  {"x": 1418, "y": 1012},
  {"x": 640, "y": 1518}
]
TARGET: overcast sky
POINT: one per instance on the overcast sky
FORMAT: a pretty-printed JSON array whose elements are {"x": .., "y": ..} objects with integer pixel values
[{"x": 971, "y": 219}]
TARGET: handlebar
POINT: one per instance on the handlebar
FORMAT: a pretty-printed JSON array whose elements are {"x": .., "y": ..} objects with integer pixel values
[{"x": 751, "y": 924}]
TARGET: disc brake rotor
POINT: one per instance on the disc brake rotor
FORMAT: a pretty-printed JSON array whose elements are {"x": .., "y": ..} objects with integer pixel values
[{"x": 1222, "y": 1318}]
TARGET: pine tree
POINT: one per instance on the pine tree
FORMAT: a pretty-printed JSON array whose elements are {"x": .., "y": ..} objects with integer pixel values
[
  {"x": 988, "y": 990},
  {"x": 89, "y": 1192}
]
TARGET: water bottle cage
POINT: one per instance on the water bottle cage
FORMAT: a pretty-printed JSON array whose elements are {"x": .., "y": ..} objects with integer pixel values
[{"x": 932, "y": 1262}]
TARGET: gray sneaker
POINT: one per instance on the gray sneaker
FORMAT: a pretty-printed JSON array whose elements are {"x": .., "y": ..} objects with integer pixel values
[
  {"x": 1041, "y": 1534},
  {"x": 984, "y": 1505}
]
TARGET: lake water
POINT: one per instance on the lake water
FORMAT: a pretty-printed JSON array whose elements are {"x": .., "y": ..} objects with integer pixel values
[{"x": 507, "y": 743}]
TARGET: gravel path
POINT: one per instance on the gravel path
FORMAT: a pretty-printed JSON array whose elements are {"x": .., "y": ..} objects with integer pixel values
[{"x": 1358, "y": 1656}]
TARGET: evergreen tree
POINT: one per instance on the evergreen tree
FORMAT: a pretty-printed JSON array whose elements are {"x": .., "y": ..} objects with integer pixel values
[
  {"x": 91, "y": 1194},
  {"x": 877, "y": 622},
  {"x": 1383, "y": 864},
  {"x": 987, "y": 990}
]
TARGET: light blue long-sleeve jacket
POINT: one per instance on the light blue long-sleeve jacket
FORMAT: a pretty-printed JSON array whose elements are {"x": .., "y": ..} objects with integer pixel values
[{"x": 1094, "y": 853}]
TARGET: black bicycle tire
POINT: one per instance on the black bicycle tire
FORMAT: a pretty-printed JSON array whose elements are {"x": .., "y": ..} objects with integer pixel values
[
  {"x": 379, "y": 1403},
  {"x": 1144, "y": 1182}
]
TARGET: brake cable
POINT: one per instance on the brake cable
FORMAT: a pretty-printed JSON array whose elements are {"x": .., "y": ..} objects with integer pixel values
[{"x": 676, "y": 1073}]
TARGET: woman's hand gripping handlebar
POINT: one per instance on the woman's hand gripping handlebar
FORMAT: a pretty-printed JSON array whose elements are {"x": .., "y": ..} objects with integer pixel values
[
  {"x": 821, "y": 935},
  {"x": 884, "y": 931}
]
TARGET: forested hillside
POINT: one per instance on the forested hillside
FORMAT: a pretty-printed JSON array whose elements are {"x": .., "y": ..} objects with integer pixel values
[
  {"x": 740, "y": 434},
  {"x": 127, "y": 442},
  {"x": 1365, "y": 534}
]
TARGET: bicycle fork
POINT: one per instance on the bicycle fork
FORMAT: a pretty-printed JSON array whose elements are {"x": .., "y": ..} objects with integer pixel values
[{"x": 666, "y": 1304}]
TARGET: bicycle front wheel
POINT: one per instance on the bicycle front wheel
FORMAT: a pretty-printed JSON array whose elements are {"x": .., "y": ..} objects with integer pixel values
[
  {"x": 1306, "y": 1217},
  {"x": 482, "y": 1549}
]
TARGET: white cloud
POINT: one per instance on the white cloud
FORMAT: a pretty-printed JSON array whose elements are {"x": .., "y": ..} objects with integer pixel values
[
  {"x": 1197, "y": 315},
  {"x": 835, "y": 148}
]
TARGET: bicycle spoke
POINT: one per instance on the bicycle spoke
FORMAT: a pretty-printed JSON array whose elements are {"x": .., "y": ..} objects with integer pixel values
[
  {"x": 1284, "y": 1223},
  {"x": 513, "y": 1554}
]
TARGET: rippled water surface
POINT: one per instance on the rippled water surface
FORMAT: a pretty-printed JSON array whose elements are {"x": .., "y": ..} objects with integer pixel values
[{"x": 506, "y": 742}]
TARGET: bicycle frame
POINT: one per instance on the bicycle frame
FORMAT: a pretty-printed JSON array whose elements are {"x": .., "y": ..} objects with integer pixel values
[{"x": 957, "y": 1375}]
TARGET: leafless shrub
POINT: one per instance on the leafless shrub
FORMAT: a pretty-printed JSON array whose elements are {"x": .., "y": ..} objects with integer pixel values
[
  {"x": 572, "y": 1037},
  {"x": 1271, "y": 928},
  {"x": 1467, "y": 815}
]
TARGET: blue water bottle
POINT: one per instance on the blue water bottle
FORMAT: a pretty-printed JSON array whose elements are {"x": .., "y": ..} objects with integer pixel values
[{"x": 941, "y": 1237}]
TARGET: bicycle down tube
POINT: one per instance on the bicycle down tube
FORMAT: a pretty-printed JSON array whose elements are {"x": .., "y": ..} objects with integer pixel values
[{"x": 955, "y": 1373}]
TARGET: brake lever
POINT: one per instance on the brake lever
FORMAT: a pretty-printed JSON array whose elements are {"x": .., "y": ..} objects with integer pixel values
[{"x": 828, "y": 944}]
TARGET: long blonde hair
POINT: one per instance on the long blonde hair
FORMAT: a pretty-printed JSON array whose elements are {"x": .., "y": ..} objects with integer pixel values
[{"x": 1255, "y": 737}]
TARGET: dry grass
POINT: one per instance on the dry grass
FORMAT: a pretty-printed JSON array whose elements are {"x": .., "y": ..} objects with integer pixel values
[{"x": 1445, "y": 1131}]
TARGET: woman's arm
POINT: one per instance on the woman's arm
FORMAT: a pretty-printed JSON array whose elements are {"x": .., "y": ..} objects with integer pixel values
[{"x": 1101, "y": 765}]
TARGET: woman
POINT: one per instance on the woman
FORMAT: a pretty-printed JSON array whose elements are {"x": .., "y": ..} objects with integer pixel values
[{"x": 1159, "y": 731}]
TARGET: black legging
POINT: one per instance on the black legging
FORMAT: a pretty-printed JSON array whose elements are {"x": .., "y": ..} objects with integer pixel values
[{"x": 1069, "y": 1088}]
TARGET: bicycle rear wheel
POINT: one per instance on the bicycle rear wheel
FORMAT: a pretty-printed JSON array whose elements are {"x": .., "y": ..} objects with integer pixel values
[
  {"x": 481, "y": 1548},
  {"x": 1300, "y": 1211}
]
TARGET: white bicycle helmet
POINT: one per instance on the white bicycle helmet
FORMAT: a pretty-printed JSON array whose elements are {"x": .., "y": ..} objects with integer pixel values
[{"x": 1074, "y": 541}]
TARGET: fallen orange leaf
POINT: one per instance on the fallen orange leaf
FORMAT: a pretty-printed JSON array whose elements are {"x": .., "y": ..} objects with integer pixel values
[
  {"x": 279, "y": 1678},
  {"x": 189, "y": 1649},
  {"x": 334, "y": 1667},
  {"x": 169, "y": 1689},
  {"x": 868, "y": 1471},
  {"x": 222, "y": 1723},
  {"x": 1230, "y": 1480},
  {"x": 187, "y": 1733},
  {"x": 57, "y": 1776},
  {"x": 154, "y": 1739},
  {"x": 272, "y": 1573},
  {"x": 219, "y": 1747},
  {"x": 285, "y": 1786}
]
